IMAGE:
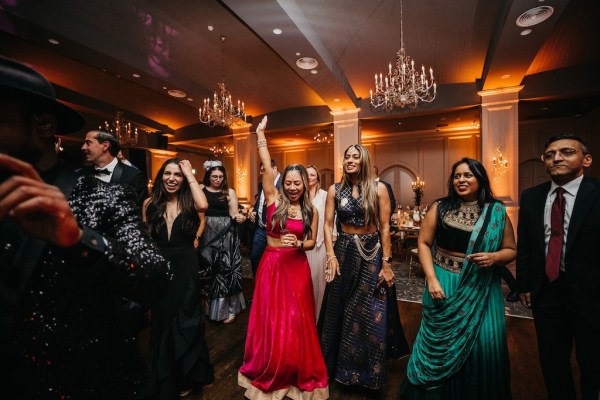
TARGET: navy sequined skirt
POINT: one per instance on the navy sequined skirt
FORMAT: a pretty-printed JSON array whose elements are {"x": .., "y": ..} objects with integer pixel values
[{"x": 359, "y": 327}]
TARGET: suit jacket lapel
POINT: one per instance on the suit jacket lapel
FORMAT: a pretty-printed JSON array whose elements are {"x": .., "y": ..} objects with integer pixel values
[
  {"x": 117, "y": 173},
  {"x": 538, "y": 210},
  {"x": 585, "y": 195}
]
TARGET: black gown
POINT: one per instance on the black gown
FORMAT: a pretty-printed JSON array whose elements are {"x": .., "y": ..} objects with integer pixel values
[{"x": 178, "y": 356}]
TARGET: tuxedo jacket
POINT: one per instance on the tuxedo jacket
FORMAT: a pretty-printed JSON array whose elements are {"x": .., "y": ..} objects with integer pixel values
[
  {"x": 125, "y": 175},
  {"x": 582, "y": 254},
  {"x": 257, "y": 204}
]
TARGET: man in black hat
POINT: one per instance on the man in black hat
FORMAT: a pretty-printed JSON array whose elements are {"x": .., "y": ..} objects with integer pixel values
[{"x": 63, "y": 263}]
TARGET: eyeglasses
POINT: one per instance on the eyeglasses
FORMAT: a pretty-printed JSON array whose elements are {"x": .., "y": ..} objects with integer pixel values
[
  {"x": 216, "y": 178},
  {"x": 565, "y": 152}
]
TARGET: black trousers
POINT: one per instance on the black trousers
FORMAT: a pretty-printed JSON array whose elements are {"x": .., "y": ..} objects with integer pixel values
[{"x": 559, "y": 323}]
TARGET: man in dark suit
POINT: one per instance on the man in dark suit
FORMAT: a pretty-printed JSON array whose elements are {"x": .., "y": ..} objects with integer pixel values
[
  {"x": 101, "y": 149},
  {"x": 63, "y": 262},
  {"x": 258, "y": 216},
  {"x": 558, "y": 267}
]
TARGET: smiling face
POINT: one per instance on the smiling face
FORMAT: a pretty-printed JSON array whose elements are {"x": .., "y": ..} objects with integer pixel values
[
  {"x": 465, "y": 183},
  {"x": 293, "y": 185},
  {"x": 313, "y": 177},
  {"x": 92, "y": 149},
  {"x": 172, "y": 178},
  {"x": 564, "y": 160},
  {"x": 352, "y": 161}
]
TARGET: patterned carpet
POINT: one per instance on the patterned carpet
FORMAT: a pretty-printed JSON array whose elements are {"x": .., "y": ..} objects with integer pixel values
[{"x": 411, "y": 289}]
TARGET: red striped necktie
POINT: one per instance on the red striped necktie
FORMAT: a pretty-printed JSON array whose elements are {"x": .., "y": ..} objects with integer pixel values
[{"x": 557, "y": 217}]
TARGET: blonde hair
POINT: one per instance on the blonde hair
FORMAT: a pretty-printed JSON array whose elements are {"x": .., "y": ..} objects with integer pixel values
[
  {"x": 318, "y": 176},
  {"x": 366, "y": 180}
]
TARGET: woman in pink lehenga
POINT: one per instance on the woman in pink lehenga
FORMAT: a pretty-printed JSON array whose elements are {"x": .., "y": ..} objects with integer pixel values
[{"x": 283, "y": 355}]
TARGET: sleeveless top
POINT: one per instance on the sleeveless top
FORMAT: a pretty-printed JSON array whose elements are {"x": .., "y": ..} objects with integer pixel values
[
  {"x": 349, "y": 210},
  {"x": 293, "y": 225},
  {"x": 217, "y": 204},
  {"x": 455, "y": 231}
]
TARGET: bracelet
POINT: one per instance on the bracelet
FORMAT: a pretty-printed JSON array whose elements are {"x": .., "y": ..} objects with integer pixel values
[
  {"x": 329, "y": 259},
  {"x": 190, "y": 182},
  {"x": 261, "y": 143},
  {"x": 197, "y": 238},
  {"x": 302, "y": 244}
]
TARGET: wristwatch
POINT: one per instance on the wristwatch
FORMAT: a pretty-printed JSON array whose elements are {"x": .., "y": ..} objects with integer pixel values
[{"x": 387, "y": 259}]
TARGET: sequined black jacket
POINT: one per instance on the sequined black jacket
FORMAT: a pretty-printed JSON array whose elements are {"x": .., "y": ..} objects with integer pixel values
[{"x": 69, "y": 339}]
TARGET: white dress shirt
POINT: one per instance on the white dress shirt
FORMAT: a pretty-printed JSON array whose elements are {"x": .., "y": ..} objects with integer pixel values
[
  {"x": 110, "y": 167},
  {"x": 570, "y": 194}
]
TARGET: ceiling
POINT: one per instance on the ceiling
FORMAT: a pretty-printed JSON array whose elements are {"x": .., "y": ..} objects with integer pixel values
[{"x": 472, "y": 45}]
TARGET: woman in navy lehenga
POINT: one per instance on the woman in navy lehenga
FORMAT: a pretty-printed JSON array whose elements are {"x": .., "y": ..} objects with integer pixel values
[
  {"x": 178, "y": 358},
  {"x": 460, "y": 351},
  {"x": 359, "y": 322}
]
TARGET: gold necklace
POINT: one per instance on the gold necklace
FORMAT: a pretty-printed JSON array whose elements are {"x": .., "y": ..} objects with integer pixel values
[{"x": 293, "y": 212}]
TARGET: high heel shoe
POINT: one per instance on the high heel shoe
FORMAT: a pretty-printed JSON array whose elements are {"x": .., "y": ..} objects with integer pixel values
[{"x": 230, "y": 319}]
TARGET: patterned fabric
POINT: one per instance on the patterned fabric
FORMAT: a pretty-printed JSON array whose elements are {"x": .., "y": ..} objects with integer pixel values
[
  {"x": 354, "y": 324},
  {"x": 223, "y": 263},
  {"x": 70, "y": 342},
  {"x": 454, "y": 232},
  {"x": 349, "y": 210},
  {"x": 460, "y": 349}
]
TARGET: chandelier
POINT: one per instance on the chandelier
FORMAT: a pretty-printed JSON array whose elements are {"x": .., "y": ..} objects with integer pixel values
[
  {"x": 403, "y": 85},
  {"x": 324, "y": 137},
  {"x": 222, "y": 111},
  {"x": 221, "y": 149},
  {"x": 126, "y": 133}
]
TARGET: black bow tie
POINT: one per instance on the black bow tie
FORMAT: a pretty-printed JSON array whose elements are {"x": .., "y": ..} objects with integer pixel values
[{"x": 102, "y": 171}]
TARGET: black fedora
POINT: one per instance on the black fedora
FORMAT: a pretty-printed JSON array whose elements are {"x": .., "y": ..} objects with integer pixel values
[{"x": 25, "y": 82}]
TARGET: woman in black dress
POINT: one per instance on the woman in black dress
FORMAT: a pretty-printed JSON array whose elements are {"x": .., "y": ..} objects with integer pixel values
[
  {"x": 220, "y": 245},
  {"x": 178, "y": 359}
]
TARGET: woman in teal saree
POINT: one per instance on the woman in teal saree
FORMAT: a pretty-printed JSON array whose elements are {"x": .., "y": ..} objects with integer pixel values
[{"x": 460, "y": 351}]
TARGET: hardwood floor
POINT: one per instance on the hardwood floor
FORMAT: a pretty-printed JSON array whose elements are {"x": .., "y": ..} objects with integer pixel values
[{"x": 226, "y": 344}]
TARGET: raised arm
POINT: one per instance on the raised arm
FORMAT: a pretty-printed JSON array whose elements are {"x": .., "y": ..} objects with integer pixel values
[
  {"x": 197, "y": 194},
  {"x": 268, "y": 178}
]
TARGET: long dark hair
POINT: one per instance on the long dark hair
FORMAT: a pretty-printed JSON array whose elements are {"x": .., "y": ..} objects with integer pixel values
[
  {"x": 158, "y": 203},
  {"x": 280, "y": 215},
  {"x": 224, "y": 186},
  {"x": 367, "y": 180},
  {"x": 452, "y": 201}
]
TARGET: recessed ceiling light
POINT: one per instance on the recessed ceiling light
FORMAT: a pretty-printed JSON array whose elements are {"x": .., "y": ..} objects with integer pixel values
[
  {"x": 210, "y": 28},
  {"x": 307, "y": 63},
  {"x": 534, "y": 16},
  {"x": 277, "y": 31},
  {"x": 297, "y": 53},
  {"x": 336, "y": 100},
  {"x": 526, "y": 32},
  {"x": 443, "y": 118},
  {"x": 136, "y": 75},
  {"x": 314, "y": 72},
  {"x": 177, "y": 93},
  {"x": 190, "y": 99},
  {"x": 164, "y": 88},
  {"x": 505, "y": 76},
  {"x": 53, "y": 41}
]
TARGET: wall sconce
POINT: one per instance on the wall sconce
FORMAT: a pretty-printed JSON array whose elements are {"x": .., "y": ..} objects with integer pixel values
[
  {"x": 417, "y": 187},
  {"x": 499, "y": 164},
  {"x": 149, "y": 186},
  {"x": 241, "y": 175}
]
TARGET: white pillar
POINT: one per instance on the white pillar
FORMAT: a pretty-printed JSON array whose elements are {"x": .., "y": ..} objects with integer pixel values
[
  {"x": 346, "y": 130},
  {"x": 500, "y": 134},
  {"x": 243, "y": 176}
]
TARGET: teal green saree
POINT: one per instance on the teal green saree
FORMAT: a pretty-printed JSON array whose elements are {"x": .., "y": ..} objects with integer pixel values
[{"x": 460, "y": 350}]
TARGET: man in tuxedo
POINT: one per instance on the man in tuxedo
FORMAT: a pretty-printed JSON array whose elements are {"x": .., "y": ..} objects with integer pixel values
[
  {"x": 388, "y": 187},
  {"x": 64, "y": 262},
  {"x": 101, "y": 149},
  {"x": 558, "y": 267},
  {"x": 258, "y": 216}
]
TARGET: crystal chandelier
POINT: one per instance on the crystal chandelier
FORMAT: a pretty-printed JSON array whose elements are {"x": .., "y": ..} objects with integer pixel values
[
  {"x": 221, "y": 149},
  {"x": 124, "y": 131},
  {"x": 403, "y": 85},
  {"x": 324, "y": 137},
  {"x": 222, "y": 111}
]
